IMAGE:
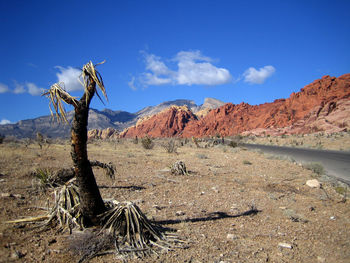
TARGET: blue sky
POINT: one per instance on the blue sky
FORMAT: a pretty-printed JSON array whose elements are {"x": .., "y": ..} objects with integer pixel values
[{"x": 235, "y": 51}]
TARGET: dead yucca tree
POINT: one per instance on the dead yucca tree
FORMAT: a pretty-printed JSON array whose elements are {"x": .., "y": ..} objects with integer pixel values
[
  {"x": 91, "y": 201},
  {"x": 132, "y": 231}
]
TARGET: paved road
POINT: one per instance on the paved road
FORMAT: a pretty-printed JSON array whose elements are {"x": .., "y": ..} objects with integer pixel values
[{"x": 335, "y": 163}]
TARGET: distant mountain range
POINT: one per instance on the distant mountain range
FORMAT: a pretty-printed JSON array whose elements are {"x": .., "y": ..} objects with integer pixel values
[
  {"x": 323, "y": 105},
  {"x": 99, "y": 120}
]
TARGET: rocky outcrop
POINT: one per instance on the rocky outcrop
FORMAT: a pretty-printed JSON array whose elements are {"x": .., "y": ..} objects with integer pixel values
[
  {"x": 108, "y": 133},
  {"x": 168, "y": 123}
]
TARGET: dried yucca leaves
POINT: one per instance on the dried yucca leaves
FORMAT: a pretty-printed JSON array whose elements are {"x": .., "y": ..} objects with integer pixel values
[
  {"x": 56, "y": 95},
  {"x": 134, "y": 234},
  {"x": 65, "y": 212},
  {"x": 88, "y": 72}
]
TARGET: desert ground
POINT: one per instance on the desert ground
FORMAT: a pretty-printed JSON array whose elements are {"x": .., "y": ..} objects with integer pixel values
[{"x": 234, "y": 205}]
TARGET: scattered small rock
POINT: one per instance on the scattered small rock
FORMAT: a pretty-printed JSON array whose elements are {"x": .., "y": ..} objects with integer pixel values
[
  {"x": 180, "y": 213},
  {"x": 17, "y": 255},
  {"x": 231, "y": 237},
  {"x": 321, "y": 259},
  {"x": 215, "y": 189},
  {"x": 311, "y": 208},
  {"x": 332, "y": 218},
  {"x": 314, "y": 183},
  {"x": 285, "y": 245}
]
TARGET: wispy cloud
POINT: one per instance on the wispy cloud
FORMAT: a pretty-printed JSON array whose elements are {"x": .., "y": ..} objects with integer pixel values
[
  {"x": 3, "y": 88},
  {"x": 70, "y": 77},
  {"x": 192, "y": 69},
  {"x": 32, "y": 65},
  {"x": 19, "y": 88},
  {"x": 4, "y": 121},
  {"x": 131, "y": 84},
  {"x": 255, "y": 76},
  {"x": 33, "y": 89}
]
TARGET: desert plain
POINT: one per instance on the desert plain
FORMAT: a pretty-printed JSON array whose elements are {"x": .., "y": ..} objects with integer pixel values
[{"x": 234, "y": 205}]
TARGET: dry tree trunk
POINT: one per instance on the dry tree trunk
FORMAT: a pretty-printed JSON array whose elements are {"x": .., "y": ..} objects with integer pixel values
[{"x": 92, "y": 204}]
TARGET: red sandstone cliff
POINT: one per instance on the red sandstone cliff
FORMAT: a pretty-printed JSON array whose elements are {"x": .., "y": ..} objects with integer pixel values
[
  {"x": 322, "y": 105},
  {"x": 321, "y": 95},
  {"x": 168, "y": 123}
]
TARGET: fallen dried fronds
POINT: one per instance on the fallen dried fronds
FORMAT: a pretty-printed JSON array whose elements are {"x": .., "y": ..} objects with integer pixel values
[
  {"x": 65, "y": 212},
  {"x": 179, "y": 168},
  {"x": 134, "y": 234}
]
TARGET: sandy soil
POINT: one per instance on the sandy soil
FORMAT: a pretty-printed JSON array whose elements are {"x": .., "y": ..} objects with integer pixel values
[
  {"x": 295, "y": 223},
  {"x": 336, "y": 141}
]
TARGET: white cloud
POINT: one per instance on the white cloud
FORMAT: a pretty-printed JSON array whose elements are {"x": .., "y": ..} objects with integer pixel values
[
  {"x": 131, "y": 84},
  {"x": 193, "y": 69},
  {"x": 154, "y": 79},
  {"x": 254, "y": 76},
  {"x": 4, "y": 121},
  {"x": 154, "y": 64},
  {"x": 3, "y": 88},
  {"x": 69, "y": 76},
  {"x": 19, "y": 88},
  {"x": 28, "y": 87},
  {"x": 33, "y": 89}
]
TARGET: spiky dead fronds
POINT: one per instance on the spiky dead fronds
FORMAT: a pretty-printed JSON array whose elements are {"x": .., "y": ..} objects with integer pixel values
[
  {"x": 134, "y": 234},
  {"x": 56, "y": 94},
  {"x": 179, "y": 168},
  {"x": 66, "y": 210},
  {"x": 90, "y": 73}
]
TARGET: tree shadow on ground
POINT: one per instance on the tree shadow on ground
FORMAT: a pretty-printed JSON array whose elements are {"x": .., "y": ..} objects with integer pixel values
[
  {"x": 211, "y": 217},
  {"x": 129, "y": 187}
]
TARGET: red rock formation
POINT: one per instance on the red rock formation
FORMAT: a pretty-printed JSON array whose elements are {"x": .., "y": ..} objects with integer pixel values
[
  {"x": 323, "y": 105},
  {"x": 234, "y": 119},
  {"x": 168, "y": 123}
]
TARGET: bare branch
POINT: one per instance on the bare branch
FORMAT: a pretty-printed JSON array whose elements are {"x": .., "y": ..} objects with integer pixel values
[{"x": 109, "y": 168}]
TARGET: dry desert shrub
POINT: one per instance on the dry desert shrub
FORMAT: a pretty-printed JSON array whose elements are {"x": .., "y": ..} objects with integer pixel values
[
  {"x": 316, "y": 168},
  {"x": 170, "y": 146},
  {"x": 147, "y": 143}
]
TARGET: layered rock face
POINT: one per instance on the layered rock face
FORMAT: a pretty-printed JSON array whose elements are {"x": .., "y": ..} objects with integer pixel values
[
  {"x": 168, "y": 123},
  {"x": 323, "y": 105},
  {"x": 322, "y": 96},
  {"x": 108, "y": 133}
]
